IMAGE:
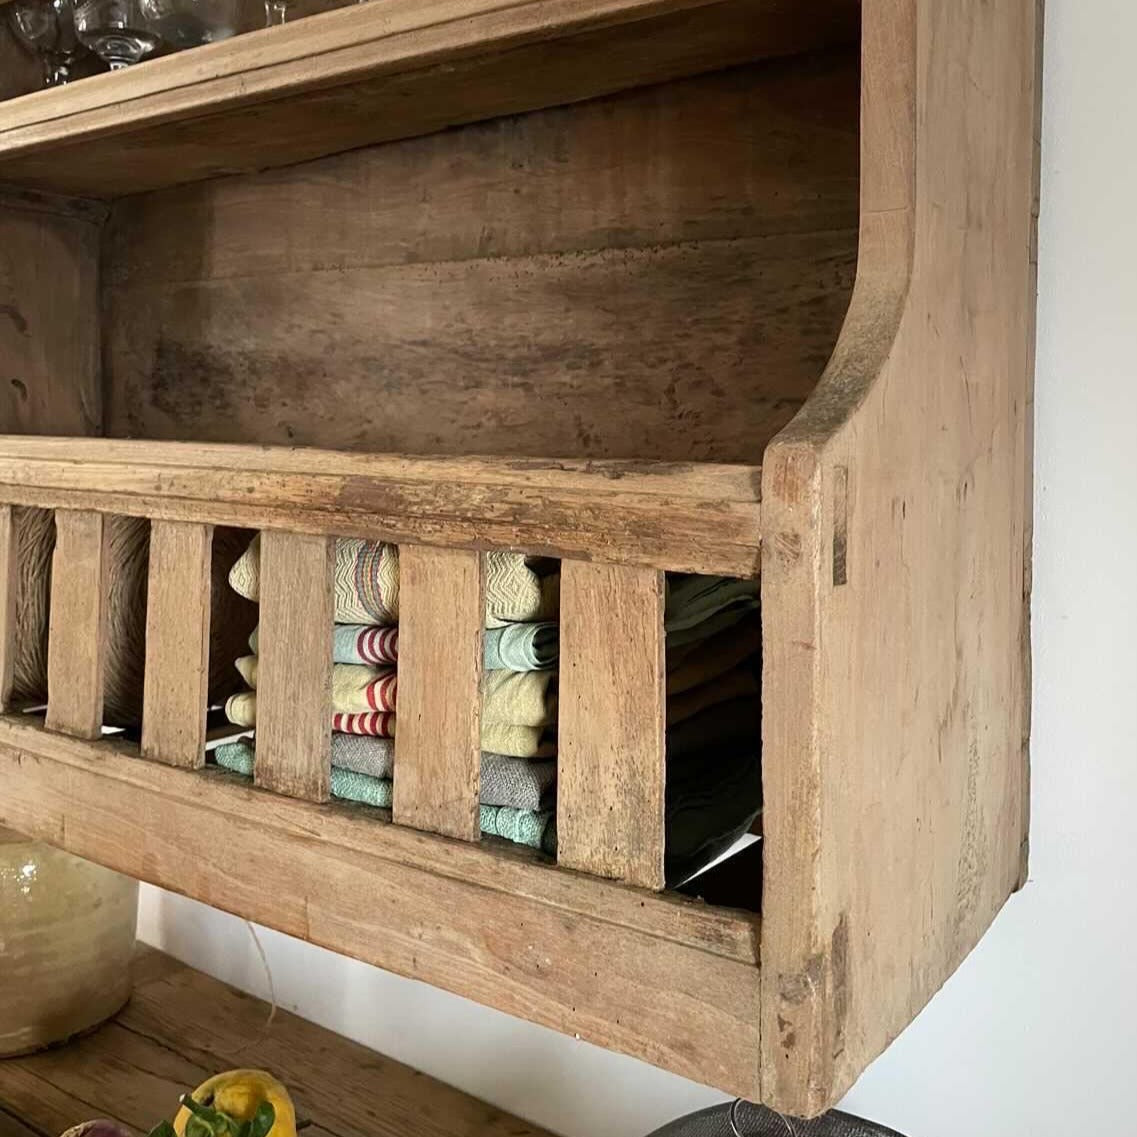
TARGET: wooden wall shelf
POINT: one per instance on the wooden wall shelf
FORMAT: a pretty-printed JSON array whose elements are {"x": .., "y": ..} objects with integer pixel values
[
  {"x": 742, "y": 291},
  {"x": 373, "y": 73}
]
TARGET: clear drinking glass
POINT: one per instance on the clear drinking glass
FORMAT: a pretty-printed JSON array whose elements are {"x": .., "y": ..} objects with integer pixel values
[
  {"x": 118, "y": 31},
  {"x": 47, "y": 27},
  {"x": 276, "y": 12},
  {"x": 190, "y": 23}
]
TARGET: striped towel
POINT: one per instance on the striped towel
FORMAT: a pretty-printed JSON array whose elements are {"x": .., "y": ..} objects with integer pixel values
[{"x": 519, "y": 698}]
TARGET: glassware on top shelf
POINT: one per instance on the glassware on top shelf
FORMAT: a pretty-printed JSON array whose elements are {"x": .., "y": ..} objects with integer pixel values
[
  {"x": 191, "y": 23},
  {"x": 118, "y": 31},
  {"x": 47, "y": 27},
  {"x": 276, "y": 12}
]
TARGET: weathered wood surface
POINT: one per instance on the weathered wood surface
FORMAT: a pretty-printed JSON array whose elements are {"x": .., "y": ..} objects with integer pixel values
[
  {"x": 9, "y": 575},
  {"x": 294, "y": 672},
  {"x": 688, "y": 517},
  {"x": 77, "y": 632},
  {"x": 661, "y": 274},
  {"x": 438, "y": 747},
  {"x": 367, "y": 74},
  {"x": 895, "y": 690},
  {"x": 181, "y": 1027},
  {"x": 49, "y": 333},
  {"x": 610, "y": 755},
  {"x": 577, "y": 954},
  {"x": 178, "y": 609}
]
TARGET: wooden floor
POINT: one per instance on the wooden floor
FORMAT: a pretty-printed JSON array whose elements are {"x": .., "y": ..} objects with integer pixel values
[{"x": 182, "y": 1026}]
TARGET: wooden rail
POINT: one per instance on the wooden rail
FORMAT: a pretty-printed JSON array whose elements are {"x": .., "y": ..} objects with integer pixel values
[{"x": 683, "y": 517}]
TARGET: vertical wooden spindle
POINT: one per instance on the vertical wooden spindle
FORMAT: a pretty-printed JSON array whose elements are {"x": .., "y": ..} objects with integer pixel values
[
  {"x": 294, "y": 674},
  {"x": 9, "y": 570},
  {"x": 438, "y": 740},
  {"x": 176, "y": 683},
  {"x": 610, "y": 774},
  {"x": 76, "y": 645}
]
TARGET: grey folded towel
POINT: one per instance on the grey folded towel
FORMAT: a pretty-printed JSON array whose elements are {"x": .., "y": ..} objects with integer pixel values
[{"x": 519, "y": 783}]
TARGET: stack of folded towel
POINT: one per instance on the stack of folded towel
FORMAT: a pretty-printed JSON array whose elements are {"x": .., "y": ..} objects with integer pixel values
[
  {"x": 713, "y": 711},
  {"x": 519, "y": 703}
]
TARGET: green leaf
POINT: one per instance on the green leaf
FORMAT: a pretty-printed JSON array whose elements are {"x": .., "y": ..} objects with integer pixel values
[
  {"x": 163, "y": 1129},
  {"x": 263, "y": 1120}
]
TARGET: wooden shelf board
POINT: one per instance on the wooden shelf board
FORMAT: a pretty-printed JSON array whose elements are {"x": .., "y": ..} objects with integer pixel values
[
  {"x": 686, "y": 517},
  {"x": 576, "y": 953},
  {"x": 181, "y": 1026},
  {"x": 375, "y": 72}
]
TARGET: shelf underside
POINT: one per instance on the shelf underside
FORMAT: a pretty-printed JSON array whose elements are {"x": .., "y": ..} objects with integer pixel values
[
  {"x": 376, "y": 72},
  {"x": 582, "y": 955}
]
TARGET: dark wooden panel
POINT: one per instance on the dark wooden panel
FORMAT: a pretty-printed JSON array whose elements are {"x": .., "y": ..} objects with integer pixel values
[{"x": 661, "y": 274}]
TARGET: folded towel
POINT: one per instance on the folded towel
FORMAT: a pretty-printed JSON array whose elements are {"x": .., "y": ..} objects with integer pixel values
[
  {"x": 698, "y": 606},
  {"x": 521, "y": 826},
  {"x": 499, "y": 737},
  {"x": 505, "y": 780},
  {"x": 367, "y": 583},
  {"x": 519, "y": 698},
  {"x": 522, "y": 647},
  {"x": 714, "y": 657},
  {"x": 739, "y": 682}
]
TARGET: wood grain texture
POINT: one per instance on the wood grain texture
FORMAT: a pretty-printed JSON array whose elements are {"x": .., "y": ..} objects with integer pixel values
[
  {"x": 357, "y": 76},
  {"x": 894, "y": 703},
  {"x": 438, "y": 746},
  {"x": 294, "y": 674},
  {"x": 182, "y": 1026},
  {"x": 76, "y": 645},
  {"x": 9, "y": 576},
  {"x": 682, "y": 255},
  {"x": 692, "y": 517},
  {"x": 610, "y": 758},
  {"x": 176, "y": 680},
  {"x": 402, "y": 900},
  {"x": 49, "y": 332}
]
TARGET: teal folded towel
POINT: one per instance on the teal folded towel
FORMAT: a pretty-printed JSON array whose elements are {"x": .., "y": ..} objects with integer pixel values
[{"x": 521, "y": 826}]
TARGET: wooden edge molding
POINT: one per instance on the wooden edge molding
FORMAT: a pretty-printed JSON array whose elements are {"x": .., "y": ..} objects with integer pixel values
[
  {"x": 337, "y": 877},
  {"x": 672, "y": 516}
]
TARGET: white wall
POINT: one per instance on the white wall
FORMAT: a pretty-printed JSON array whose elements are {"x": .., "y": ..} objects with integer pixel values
[{"x": 1036, "y": 1036}]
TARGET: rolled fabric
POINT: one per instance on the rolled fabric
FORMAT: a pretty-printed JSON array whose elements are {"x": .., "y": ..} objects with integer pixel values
[
  {"x": 367, "y": 584},
  {"x": 522, "y": 647},
  {"x": 699, "y": 606}
]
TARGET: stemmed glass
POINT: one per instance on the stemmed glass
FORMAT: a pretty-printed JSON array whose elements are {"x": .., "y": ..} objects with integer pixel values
[
  {"x": 118, "y": 31},
  {"x": 191, "y": 23},
  {"x": 47, "y": 27}
]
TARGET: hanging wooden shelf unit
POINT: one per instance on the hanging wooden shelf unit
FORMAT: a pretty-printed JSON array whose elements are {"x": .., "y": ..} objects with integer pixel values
[{"x": 741, "y": 288}]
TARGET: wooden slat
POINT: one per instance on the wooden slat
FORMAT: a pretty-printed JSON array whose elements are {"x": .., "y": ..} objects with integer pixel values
[
  {"x": 438, "y": 743},
  {"x": 685, "y": 517},
  {"x": 294, "y": 675},
  {"x": 364, "y": 75},
  {"x": 176, "y": 682},
  {"x": 8, "y": 578},
  {"x": 77, "y": 627},
  {"x": 427, "y": 907},
  {"x": 610, "y": 776}
]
